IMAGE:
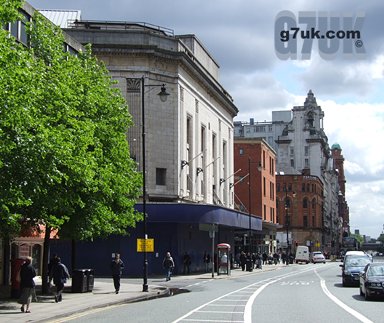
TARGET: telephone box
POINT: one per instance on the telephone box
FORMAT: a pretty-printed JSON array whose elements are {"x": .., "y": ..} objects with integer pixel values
[{"x": 223, "y": 259}]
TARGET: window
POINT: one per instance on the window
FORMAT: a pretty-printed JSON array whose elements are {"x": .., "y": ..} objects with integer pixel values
[
  {"x": 271, "y": 191},
  {"x": 161, "y": 176},
  {"x": 265, "y": 212},
  {"x": 306, "y": 163},
  {"x": 23, "y": 30},
  {"x": 303, "y": 187},
  {"x": 292, "y": 163},
  {"x": 291, "y": 151},
  {"x": 264, "y": 187},
  {"x": 15, "y": 29},
  {"x": 241, "y": 151},
  {"x": 305, "y": 221},
  {"x": 306, "y": 151},
  {"x": 305, "y": 203}
]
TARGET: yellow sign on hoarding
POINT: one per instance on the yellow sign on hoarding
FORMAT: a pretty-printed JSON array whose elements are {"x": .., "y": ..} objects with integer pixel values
[{"x": 148, "y": 244}]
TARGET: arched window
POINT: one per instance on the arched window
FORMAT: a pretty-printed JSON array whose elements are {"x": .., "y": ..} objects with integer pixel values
[
  {"x": 305, "y": 203},
  {"x": 314, "y": 203}
]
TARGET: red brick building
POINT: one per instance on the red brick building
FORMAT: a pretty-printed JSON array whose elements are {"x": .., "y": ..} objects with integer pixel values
[
  {"x": 300, "y": 210},
  {"x": 255, "y": 188},
  {"x": 338, "y": 160}
]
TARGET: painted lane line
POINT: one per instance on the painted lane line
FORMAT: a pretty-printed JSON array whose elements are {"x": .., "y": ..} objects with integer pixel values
[
  {"x": 248, "y": 306},
  {"x": 222, "y": 305},
  {"x": 215, "y": 321},
  {"x": 221, "y": 298},
  {"x": 221, "y": 312},
  {"x": 345, "y": 307}
]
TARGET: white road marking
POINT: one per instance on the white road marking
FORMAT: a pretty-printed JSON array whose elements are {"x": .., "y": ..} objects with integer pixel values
[
  {"x": 248, "y": 307},
  {"x": 221, "y": 298},
  {"x": 345, "y": 307}
]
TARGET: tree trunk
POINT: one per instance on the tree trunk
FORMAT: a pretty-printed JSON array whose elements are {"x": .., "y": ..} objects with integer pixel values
[{"x": 46, "y": 252}]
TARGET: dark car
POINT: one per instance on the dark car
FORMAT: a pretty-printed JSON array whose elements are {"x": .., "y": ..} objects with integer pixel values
[
  {"x": 372, "y": 280},
  {"x": 352, "y": 267}
]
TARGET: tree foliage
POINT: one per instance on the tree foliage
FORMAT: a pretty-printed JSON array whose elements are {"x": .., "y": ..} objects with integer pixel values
[{"x": 64, "y": 157}]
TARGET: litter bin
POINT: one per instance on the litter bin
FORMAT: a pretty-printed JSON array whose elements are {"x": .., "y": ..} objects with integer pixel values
[
  {"x": 90, "y": 280},
  {"x": 79, "y": 281},
  {"x": 249, "y": 265}
]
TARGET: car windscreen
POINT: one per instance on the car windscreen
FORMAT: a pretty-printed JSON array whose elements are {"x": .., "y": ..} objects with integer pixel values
[
  {"x": 376, "y": 270},
  {"x": 357, "y": 261}
]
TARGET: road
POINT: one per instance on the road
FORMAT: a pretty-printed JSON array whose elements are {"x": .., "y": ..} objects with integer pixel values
[{"x": 298, "y": 293}]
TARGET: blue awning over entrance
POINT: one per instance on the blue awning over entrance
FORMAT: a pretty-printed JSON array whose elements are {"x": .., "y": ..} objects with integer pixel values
[{"x": 199, "y": 213}]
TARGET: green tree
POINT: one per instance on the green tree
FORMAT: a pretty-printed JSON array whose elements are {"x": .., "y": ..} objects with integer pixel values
[{"x": 67, "y": 155}]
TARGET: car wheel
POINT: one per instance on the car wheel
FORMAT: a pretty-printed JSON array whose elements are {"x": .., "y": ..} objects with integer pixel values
[{"x": 367, "y": 297}]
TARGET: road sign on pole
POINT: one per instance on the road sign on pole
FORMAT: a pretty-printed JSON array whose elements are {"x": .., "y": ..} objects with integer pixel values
[{"x": 147, "y": 245}]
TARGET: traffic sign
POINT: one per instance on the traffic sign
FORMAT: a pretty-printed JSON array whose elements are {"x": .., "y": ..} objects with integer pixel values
[{"x": 147, "y": 245}]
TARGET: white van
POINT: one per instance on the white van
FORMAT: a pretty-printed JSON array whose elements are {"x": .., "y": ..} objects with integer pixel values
[{"x": 302, "y": 254}]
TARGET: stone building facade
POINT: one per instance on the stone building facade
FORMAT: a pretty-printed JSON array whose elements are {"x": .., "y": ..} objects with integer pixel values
[{"x": 188, "y": 140}]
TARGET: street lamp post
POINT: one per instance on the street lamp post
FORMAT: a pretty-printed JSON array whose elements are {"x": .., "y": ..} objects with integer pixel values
[
  {"x": 249, "y": 206},
  {"x": 287, "y": 224},
  {"x": 287, "y": 221},
  {"x": 259, "y": 168},
  {"x": 163, "y": 97}
]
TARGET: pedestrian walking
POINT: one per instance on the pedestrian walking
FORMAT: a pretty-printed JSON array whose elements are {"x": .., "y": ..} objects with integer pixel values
[
  {"x": 259, "y": 261},
  {"x": 27, "y": 284},
  {"x": 186, "y": 263},
  {"x": 243, "y": 260},
  {"x": 117, "y": 267},
  {"x": 168, "y": 265},
  {"x": 59, "y": 275},
  {"x": 206, "y": 260}
]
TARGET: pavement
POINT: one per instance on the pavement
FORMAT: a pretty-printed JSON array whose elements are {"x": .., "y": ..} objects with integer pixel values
[{"x": 45, "y": 309}]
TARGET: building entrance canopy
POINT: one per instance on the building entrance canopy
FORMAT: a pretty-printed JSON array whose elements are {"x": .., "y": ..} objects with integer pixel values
[{"x": 199, "y": 213}]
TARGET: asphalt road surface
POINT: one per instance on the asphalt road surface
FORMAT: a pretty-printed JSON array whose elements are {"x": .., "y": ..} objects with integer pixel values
[{"x": 298, "y": 293}]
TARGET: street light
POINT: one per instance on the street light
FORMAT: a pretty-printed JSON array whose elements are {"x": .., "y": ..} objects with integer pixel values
[
  {"x": 287, "y": 205},
  {"x": 249, "y": 200},
  {"x": 163, "y": 97}
]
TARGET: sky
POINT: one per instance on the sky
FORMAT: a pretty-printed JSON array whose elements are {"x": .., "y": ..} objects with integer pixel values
[{"x": 241, "y": 36}]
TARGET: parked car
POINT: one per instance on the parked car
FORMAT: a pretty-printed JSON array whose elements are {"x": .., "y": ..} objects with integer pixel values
[
  {"x": 317, "y": 256},
  {"x": 352, "y": 267},
  {"x": 372, "y": 280}
]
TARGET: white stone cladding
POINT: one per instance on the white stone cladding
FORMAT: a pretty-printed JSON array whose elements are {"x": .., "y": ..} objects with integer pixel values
[{"x": 189, "y": 138}]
